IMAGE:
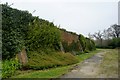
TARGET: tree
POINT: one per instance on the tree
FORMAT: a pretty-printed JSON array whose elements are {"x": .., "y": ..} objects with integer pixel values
[
  {"x": 99, "y": 37},
  {"x": 90, "y": 36},
  {"x": 107, "y": 34},
  {"x": 116, "y": 30},
  {"x": 115, "y": 42}
]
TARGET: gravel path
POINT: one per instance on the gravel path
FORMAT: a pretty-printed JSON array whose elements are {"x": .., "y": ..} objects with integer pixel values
[{"x": 87, "y": 69}]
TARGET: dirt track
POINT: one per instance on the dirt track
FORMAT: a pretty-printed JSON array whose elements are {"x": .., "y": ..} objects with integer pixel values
[{"x": 87, "y": 69}]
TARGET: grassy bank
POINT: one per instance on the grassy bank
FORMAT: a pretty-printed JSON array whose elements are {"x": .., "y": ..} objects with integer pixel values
[
  {"x": 40, "y": 61},
  {"x": 109, "y": 64},
  {"x": 53, "y": 72}
]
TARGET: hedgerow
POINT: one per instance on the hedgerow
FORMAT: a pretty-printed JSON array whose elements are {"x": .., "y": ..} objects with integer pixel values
[
  {"x": 22, "y": 30},
  {"x": 44, "y": 35},
  {"x": 14, "y": 27}
]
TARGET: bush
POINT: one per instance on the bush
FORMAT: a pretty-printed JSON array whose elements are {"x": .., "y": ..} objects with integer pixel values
[
  {"x": 74, "y": 46},
  {"x": 90, "y": 45},
  {"x": 86, "y": 43},
  {"x": 65, "y": 46},
  {"x": 82, "y": 41},
  {"x": 115, "y": 42},
  {"x": 42, "y": 36},
  {"x": 112, "y": 43},
  {"x": 9, "y": 67}
]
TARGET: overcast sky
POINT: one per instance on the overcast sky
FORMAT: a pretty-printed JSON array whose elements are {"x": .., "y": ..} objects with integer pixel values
[{"x": 80, "y": 16}]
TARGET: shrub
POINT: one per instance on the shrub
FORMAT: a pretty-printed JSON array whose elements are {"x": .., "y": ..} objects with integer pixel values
[
  {"x": 42, "y": 36},
  {"x": 90, "y": 45},
  {"x": 65, "y": 46},
  {"x": 82, "y": 41},
  {"x": 9, "y": 67},
  {"x": 115, "y": 42},
  {"x": 74, "y": 46}
]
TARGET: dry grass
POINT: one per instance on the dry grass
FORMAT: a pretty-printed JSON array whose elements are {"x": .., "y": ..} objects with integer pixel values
[{"x": 109, "y": 65}]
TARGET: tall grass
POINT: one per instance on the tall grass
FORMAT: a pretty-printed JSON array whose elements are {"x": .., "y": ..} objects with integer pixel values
[{"x": 38, "y": 61}]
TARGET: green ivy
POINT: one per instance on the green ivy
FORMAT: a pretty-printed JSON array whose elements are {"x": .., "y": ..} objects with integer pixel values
[
  {"x": 14, "y": 27},
  {"x": 21, "y": 30}
]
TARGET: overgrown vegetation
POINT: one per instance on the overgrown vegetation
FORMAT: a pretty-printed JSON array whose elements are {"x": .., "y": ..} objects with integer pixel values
[
  {"x": 53, "y": 72},
  {"x": 53, "y": 59},
  {"x": 74, "y": 46},
  {"x": 22, "y": 30},
  {"x": 86, "y": 43},
  {"x": 82, "y": 41},
  {"x": 9, "y": 67},
  {"x": 40, "y": 38},
  {"x": 42, "y": 35},
  {"x": 82, "y": 45},
  {"x": 14, "y": 27}
]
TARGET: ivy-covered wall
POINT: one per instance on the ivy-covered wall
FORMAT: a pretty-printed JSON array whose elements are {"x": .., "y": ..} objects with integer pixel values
[
  {"x": 21, "y": 30},
  {"x": 73, "y": 42},
  {"x": 14, "y": 27}
]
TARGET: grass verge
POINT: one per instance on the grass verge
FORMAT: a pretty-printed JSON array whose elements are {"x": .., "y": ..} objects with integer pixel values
[
  {"x": 53, "y": 72},
  {"x": 48, "y": 73},
  {"x": 109, "y": 64}
]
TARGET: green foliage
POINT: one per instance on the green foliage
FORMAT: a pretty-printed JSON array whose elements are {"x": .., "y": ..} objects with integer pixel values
[
  {"x": 115, "y": 42},
  {"x": 111, "y": 43},
  {"x": 9, "y": 67},
  {"x": 65, "y": 46},
  {"x": 74, "y": 46},
  {"x": 14, "y": 27},
  {"x": 44, "y": 74},
  {"x": 90, "y": 45},
  {"x": 22, "y": 30},
  {"x": 43, "y": 36},
  {"x": 53, "y": 59},
  {"x": 86, "y": 44},
  {"x": 82, "y": 41}
]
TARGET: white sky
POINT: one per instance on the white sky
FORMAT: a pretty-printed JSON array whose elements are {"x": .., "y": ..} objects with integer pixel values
[{"x": 80, "y": 16}]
